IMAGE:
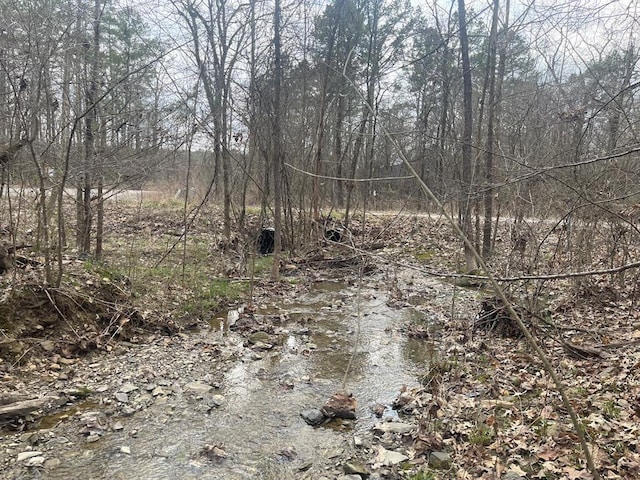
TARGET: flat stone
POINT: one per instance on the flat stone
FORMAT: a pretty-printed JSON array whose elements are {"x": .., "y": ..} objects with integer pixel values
[
  {"x": 52, "y": 463},
  {"x": 217, "y": 400},
  {"x": 312, "y": 416},
  {"x": 262, "y": 346},
  {"x": 118, "y": 426},
  {"x": 511, "y": 475},
  {"x": 389, "y": 457},
  {"x": 122, "y": 397},
  {"x": 128, "y": 411},
  {"x": 440, "y": 460},
  {"x": 30, "y": 454},
  {"x": 393, "y": 427},
  {"x": 259, "y": 337},
  {"x": 35, "y": 461},
  {"x": 47, "y": 345},
  {"x": 158, "y": 391},
  {"x": 59, "y": 440},
  {"x": 198, "y": 387},
  {"x": 127, "y": 388},
  {"x": 126, "y": 450},
  {"x": 355, "y": 468}
]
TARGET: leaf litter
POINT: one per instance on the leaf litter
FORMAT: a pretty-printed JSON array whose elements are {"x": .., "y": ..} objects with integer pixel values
[{"x": 484, "y": 399}]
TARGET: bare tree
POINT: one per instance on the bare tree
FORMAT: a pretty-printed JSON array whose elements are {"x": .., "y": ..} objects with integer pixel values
[
  {"x": 277, "y": 159},
  {"x": 466, "y": 181}
]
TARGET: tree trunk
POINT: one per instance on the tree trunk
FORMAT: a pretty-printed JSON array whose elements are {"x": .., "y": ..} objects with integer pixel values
[
  {"x": 85, "y": 215},
  {"x": 466, "y": 187},
  {"x": 324, "y": 102},
  {"x": 277, "y": 144},
  {"x": 488, "y": 191}
]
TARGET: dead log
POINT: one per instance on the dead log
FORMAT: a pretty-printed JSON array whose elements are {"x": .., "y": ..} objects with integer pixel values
[
  {"x": 582, "y": 351},
  {"x": 24, "y": 407},
  {"x": 8, "y": 258}
]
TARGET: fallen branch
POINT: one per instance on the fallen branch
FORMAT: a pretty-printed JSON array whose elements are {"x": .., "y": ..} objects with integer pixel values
[{"x": 24, "y": 407}]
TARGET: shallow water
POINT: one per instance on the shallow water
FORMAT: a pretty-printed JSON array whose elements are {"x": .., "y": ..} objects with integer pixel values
[{"x": 259, "y": 426}]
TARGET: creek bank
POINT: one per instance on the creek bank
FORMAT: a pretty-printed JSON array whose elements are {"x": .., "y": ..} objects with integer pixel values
[{"x": 174, "y": 404}]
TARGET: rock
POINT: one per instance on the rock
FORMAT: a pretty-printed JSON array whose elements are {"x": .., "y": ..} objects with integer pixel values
[
  {"x": 511, "y": 475},
  {"x": 122, "y": 397},
  {"x": 125, "y": 450},
  {"x": 128, "y": 411},
  {"x": 127, "y": 388},
  {"x": 393, "y": 427},
  {"x": 355, "y": 468},
  {"x": 388, "y": 457},
  {"x": 333, "y": 453},
  {"x": 340, "y": 405},
  {"x": 312, "y": 416},
  {"x": 35, "y": 461},
  {"x": 217, "y": 400},
  {"x": 259, "y": 337},
  {"x": 59, "y": 440},
  {"x": 349, "y": 477},
  {"x": 47, "y": 345},
  {"x": 158, "y": 391},
  {"x": 440, "y": 460},
  {"x": 262, "y": 346},
  {"x": 378, "y": 409},
  {"x": 198, "y": 387},
  {"x": 30, "y": 454},
  {"x": 52, "y": 463},
  {"x": 118, "y": 426}
]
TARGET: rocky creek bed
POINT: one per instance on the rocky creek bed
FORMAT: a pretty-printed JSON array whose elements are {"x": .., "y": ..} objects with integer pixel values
[{"x": 225, "y": 401}]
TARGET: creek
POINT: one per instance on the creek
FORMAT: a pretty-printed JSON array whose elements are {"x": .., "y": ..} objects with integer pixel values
[{"x": 257, "y": 430}]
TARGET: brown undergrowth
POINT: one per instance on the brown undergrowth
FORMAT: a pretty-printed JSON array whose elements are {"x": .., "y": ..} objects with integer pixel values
[{"x": 485, "y": 398}]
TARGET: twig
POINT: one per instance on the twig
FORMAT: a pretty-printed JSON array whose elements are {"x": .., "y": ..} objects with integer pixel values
[
  {"x": 53, "y": 303},
  {"x": 579, "y": 428}
]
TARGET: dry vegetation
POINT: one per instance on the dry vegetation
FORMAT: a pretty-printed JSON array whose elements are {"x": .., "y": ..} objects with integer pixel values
[{"x": 485, "y": 397}]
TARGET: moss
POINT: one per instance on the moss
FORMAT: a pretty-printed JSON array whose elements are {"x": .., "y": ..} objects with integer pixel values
[{"x": 424, "y": 256}]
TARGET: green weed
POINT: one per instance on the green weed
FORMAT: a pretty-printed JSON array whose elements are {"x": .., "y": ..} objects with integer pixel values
[
  {"x": 262, "y": 265},
  {"x": 424, "y": 475},
  {"x": 611, "y": 410},
  {"x": 482, "y": 435}
]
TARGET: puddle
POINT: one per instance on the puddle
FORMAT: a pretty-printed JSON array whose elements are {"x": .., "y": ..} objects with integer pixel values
[
  {"x": 259, "y": 425},
  {"x": 50, "y": 421}
]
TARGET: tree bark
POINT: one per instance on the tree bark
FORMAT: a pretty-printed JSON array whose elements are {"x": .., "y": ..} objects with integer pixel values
[
  {"x": 466, "y": 186},
  {"x": 488, "y": 191},
  {"x": 277, "y": 144}
]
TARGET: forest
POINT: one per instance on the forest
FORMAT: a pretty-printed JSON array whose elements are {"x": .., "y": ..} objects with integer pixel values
[
  {"x": 147, "y": 147},
  {"x": 518, "y": 110}
]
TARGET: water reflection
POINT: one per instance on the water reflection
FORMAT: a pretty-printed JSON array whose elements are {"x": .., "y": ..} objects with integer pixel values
[{"x": 264, "y": 395}]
